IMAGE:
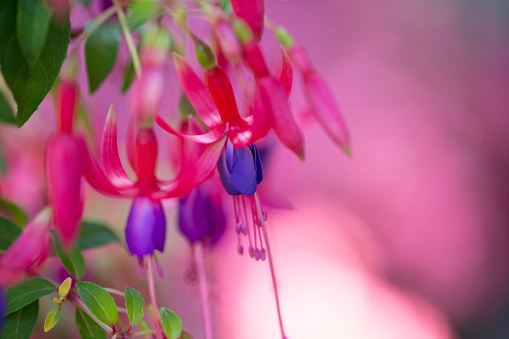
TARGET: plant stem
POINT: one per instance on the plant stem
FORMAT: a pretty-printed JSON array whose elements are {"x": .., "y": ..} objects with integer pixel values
[
  {"x": 90, "y": 28},
  {"x": 271, "y": 264},
  {"x": 141, "y": 333},
  {"x": 114, "y": 291},
  {"x": 204, "y": 291},
  {"x": 128, "y": 39},
  {"x": 152, "y": 291}
]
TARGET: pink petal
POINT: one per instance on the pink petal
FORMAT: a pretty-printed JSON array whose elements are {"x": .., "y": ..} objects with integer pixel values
[
  {"x": 197, "y": 93},
  {"x": 131, "y": 144},
  {"x": 327, "y": 112},
  {"x": 252, "y": 12},
  {"x": 300, "y": 59},
  {"x": 241, "y": 134},
  {"x": 228, "y": 41},
  {"x": 63, "y": 174},
  {"x": 96, "y": 178},
  {"x": 147, "y": 94},
  {"x": 260, "y": 116},
  {"x": 254, "y": 59},
  {"x": 284, "y": 125},
  {"x": 109, "y": 149},
  {"x": 286, "y": 75},
  {"x": 67, "y": 95},
  {"x": 193, "y": 172},
  {"x": 29, "y": 250},
  {"x": 207, "y": 138}
]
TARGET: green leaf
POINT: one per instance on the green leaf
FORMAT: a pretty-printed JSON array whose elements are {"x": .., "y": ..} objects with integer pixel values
[
  {"x": 30, "y": 82},
  {"x": 33, "y": 19},
  {"x": 172, "y": 325},
  {"x": 51, "y": 319},
  {"x": 134, "y": 306},
  {"x": 85, "y": 2},
  {"x": 142, "y": 12},
  {"x": 9, "y": 231},
  {"x": 72, "y": 260},
  {"x": 14, "y": 211},
  {"x": 129, "y": 76},
  {"x": 6, "y": 112},
  {"x": 101, "y": 51},
  {"x": 88, "y": 328},
  {"x": 22, "y": 294},
  {"x": 98, "y": 301},
  {"x": 20, "y": 324},
  {"x": 95, "y": 234}
]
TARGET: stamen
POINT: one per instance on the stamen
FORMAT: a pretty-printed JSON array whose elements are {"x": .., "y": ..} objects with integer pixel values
[
  {"x": 141, "y": 268},
  {"x": 159, "y": 269},
  {"x": 191, "y": 274}
]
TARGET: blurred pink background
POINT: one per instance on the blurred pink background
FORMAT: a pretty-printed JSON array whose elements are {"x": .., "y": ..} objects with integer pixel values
[{"x": 410, "y": 237}]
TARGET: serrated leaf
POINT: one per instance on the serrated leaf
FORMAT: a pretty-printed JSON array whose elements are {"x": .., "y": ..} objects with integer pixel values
[
  {"x": 88, "y": 328},
  {"x": 98, "y": 301},
  {"x": 101, "y": 50},
  {"x": 32, "y": 20},
  {"x": 172, "y": 325},
  {"x": 20, "y": 324},
  {"x": 65, "y": 287},
  {"x": 22, "y": 294},
  {"x": 30, "y": 82},
  {"x": 134, "y": 306},
  {"x": 129, "y": 76},
  {"x": 141, "y": 12},
  {"x": 72, "y": 260},
  {"x": 95, "y": 234},
  {"x": 6, "y": 112},
  {"x": 51, "y": 319},
  {"x": 9, "y": 231},
  {"x": 14, "y": 211}
]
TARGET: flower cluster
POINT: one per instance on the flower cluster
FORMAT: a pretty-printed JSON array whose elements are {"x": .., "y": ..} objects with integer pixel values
[{"x": 216, "y": 134}]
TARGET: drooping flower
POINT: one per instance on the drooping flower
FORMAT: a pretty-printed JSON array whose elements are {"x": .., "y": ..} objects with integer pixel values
[
  {"x": 29, "y": 250},
  {"x": 318, "y": 93},
  {"x": 252, "y": 12},
  {"x": 64, "y": 168}
]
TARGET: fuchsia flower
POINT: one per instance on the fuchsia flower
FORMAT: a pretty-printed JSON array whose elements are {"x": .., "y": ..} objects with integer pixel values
[
  {"x": 252, "y": 12},
  {"x": 64, "y": 168},
  {"x": 29, "y": 250}
]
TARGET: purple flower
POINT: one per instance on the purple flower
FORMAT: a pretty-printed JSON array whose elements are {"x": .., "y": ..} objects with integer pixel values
[
  {"x": 2, "y": 308},
  {"x": 240, "y": 169},
  {"x": 201, "y": 216},
  {"x": 146, "y": 227}
]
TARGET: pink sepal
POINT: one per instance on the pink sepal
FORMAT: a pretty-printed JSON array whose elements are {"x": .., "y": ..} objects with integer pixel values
[
  {"x": 206, "y": 138},
  {"x": 252, "y": 12},
  {"x": 193, "y": 172},
  {"x": 300, "y": 59},
  {"x": 67, "y": 96},
  {"x": 29, "y": 250},
  {"x": 109, "y": 152},
  {"x": 326, "y": 111},
  {"x": 131, "y": 143},
  {"x": 283, "y": 123},
  {"x": 197, "y": 93},
  {"x": 254, "y": 59},
  {"x": 63, "y": 173},
  {"x": 228, "y": 41},
  {"x": 147, "y": 94},
  {"x": 286, "y": 75}
]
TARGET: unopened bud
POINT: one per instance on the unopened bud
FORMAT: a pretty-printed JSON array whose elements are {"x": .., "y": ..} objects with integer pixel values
[{"x": 204, "y": 54}]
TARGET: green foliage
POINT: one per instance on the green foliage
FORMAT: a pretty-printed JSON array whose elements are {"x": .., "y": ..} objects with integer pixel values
[
  {"x": 28, "y": 80},
  {"x": 101, "y": 50},
  {"x": 20, "y": 324},
  {"x": 9, "y": 231},
  {"x": 72, "y": 260},
  {"x": 172, "y": 325},
  {"x": 94, "y": 234},
  {"x": 51, "y": 319},
  {"x": 134, "y": 306},
  {"x": 141, "y": 12},
  {"x": 25, "y": 293},
  {"x": 32, "y": 20},
  {"x": 6, "y": 112},
  {"x": 129, "y": 76},
  {"x": 88, "y": 328},
  {"x": 98, "y": 301},
  {"x": 14, "y": 211}
]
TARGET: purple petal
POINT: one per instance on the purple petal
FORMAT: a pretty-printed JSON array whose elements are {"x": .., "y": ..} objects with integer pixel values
[
  {"x": 145, "y": 230},
  {"x": 224, "y": 170},
  {"x": 258, "y": 163},
  {"x": 243, "y": 174},
  {"x": 193, "y": 220},
  {"x": 197, "y": 93},
  {"x": 109, "y": 149}
]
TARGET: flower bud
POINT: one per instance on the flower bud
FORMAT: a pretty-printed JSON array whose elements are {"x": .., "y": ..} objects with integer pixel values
[
  {"x": 204, "y": 54},
  {"x": 67, "y": 102},
  {"x": 63, "y": 175},
  {"x": 145, "y": 231}
]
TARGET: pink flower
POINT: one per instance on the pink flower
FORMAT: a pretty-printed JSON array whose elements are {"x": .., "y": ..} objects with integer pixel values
[
  {"x": 252, "y": 12},
  {"x": 29, "y": 250}
]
